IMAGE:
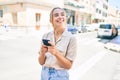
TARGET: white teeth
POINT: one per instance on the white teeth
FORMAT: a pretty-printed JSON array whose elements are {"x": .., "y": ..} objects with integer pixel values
[{"x": 60, "y": 20}]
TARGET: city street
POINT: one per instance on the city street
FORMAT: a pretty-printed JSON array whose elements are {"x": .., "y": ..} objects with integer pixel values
[
  {"x": 23, "y": 23},
  {"x": 19, "y": 53}
]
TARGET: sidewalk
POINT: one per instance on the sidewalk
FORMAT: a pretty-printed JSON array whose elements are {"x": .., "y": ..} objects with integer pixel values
[
  {"x": 114, "y": 44},
  {"x": 98, "y": 67},
  {"x": 13, "y": 33},
  {"x": 116, "y": 75}
]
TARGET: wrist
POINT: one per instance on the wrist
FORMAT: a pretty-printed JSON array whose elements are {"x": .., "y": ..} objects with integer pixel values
[
  {"x": 56, "y": 52},
  {"x": 42, "y": 53}
]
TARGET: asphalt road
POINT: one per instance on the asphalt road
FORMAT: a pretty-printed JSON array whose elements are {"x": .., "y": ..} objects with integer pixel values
[{"x": 18, "y": 58}]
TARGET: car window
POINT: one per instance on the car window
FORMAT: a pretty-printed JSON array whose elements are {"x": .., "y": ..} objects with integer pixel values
[{"x": 107, "y": 26}]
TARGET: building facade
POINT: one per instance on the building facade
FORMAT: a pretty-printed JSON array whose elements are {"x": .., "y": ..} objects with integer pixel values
[
  {"x": 101, "y": 11},
  {"x": 113, "y": 15},
  {"x": 30, "y": 13},
  {"x": 79, "y": 12}
]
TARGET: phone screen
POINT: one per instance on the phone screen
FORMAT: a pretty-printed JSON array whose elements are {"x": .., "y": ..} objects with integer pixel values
[{"x": 45, "y": 42}]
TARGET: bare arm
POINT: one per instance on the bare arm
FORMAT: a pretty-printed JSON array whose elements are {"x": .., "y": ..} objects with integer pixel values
[
  {"x": 63, "y": 61},
  {"x": 42, "y": 58}
]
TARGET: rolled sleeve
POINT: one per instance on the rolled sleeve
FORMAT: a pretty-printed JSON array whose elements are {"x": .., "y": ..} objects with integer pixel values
[{"x": 72, "y": 49}]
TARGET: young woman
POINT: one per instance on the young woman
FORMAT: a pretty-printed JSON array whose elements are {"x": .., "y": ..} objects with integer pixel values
[{"x": 57, "y": 58}]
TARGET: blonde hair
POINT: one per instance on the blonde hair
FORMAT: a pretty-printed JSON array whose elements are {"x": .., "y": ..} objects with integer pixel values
[{"x": 51, "y": 13}]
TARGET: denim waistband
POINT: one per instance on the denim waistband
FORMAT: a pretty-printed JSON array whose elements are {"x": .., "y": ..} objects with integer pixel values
[
  {"x": 48, "y": 68},
  {"x": 49, "y": 73}
]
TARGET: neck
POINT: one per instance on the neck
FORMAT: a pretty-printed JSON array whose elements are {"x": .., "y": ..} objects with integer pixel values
[{"x": 58, "y": 32}]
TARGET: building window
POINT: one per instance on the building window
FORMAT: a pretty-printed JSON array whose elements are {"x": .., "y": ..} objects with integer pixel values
[
  {"x": 97, "y": 10},
  {"x": 77, "y": 0},
  {"x": 105, "y": 6},
  {"x": 106, "y": 0},
  {"x": 1, "y": 13},
  {"x": 104, "y": 14},
  {"x": 14, "y": 15},
  {"x": 38, "y": 17}
]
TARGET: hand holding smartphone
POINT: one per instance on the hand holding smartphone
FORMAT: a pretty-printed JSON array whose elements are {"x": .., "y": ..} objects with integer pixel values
[{"x": 45, "y": 42}]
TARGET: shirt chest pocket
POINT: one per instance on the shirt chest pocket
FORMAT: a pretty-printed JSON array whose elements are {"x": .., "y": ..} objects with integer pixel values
[{"x": 62, "y": 47}]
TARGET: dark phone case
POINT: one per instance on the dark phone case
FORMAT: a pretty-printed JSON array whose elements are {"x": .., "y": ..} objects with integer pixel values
[{"x": 45, "y": 42}]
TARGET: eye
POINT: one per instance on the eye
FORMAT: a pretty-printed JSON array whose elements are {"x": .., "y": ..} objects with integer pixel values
[
  {"x": 62, "y": 14},
  {"x": 56, "y": 14}
]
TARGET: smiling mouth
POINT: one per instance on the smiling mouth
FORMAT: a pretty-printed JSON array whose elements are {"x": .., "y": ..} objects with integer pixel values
[{"x": 60, "y": 20}]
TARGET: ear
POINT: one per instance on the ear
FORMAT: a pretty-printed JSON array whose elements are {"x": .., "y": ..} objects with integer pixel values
[{"x": 50, "y": 20}]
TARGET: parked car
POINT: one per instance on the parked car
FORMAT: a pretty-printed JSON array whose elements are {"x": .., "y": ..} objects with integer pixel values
[
  {"x": 81, "y": 29},
  {"x": 92, "y": 27},
  {"x": 71, "y": 28},
  {"x": 118, "y": 27},
  {"x": 107, "y": 30}
]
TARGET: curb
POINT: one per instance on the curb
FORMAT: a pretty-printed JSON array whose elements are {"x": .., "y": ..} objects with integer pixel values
[{"x": 112, "y": 47}]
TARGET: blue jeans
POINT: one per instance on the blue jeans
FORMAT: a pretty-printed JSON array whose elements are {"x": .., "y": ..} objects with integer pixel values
[{"x": 53, "y": 74}]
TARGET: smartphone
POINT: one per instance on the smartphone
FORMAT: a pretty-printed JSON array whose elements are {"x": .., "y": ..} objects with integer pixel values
[{"x": 45, "y": 42}]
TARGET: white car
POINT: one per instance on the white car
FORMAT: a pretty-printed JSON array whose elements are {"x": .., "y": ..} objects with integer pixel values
[
  {"x": 81, "y": 29},
  {"x": 92, "y": 27},
  {"x": 118, "y": 27},
  {"x": 107, "y": 30}
]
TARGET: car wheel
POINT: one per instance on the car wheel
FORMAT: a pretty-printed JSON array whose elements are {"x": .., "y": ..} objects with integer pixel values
[
  {"x": 98, "y": 36},
  {"x": 112, "y": 35},
  {"x": 116, "y": 34}
]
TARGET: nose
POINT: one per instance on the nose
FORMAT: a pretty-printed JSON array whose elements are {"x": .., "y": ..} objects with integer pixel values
[{"x": 60, "y": 17}]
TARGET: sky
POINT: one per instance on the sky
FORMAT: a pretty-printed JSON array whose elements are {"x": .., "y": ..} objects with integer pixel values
[{"x": 114, "y": 3}]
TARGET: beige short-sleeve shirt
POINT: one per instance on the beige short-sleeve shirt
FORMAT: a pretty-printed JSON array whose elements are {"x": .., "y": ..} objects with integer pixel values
[{"x": 66, "y": 44}]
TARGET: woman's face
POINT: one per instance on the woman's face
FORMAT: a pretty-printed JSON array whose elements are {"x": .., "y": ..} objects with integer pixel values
[{"x": 58, "y": 18}]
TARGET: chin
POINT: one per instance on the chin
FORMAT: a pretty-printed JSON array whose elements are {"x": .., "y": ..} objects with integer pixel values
[{"x": 60, "y": 25}]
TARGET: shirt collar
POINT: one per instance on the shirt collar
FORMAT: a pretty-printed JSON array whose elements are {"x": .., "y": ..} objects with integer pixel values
[{"x": 65, "y": 33}]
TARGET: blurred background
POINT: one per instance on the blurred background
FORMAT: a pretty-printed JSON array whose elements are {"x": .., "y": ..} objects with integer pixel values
[
  {"x": 35, "y": 13},
  {"x": 95, "y": 23}
]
